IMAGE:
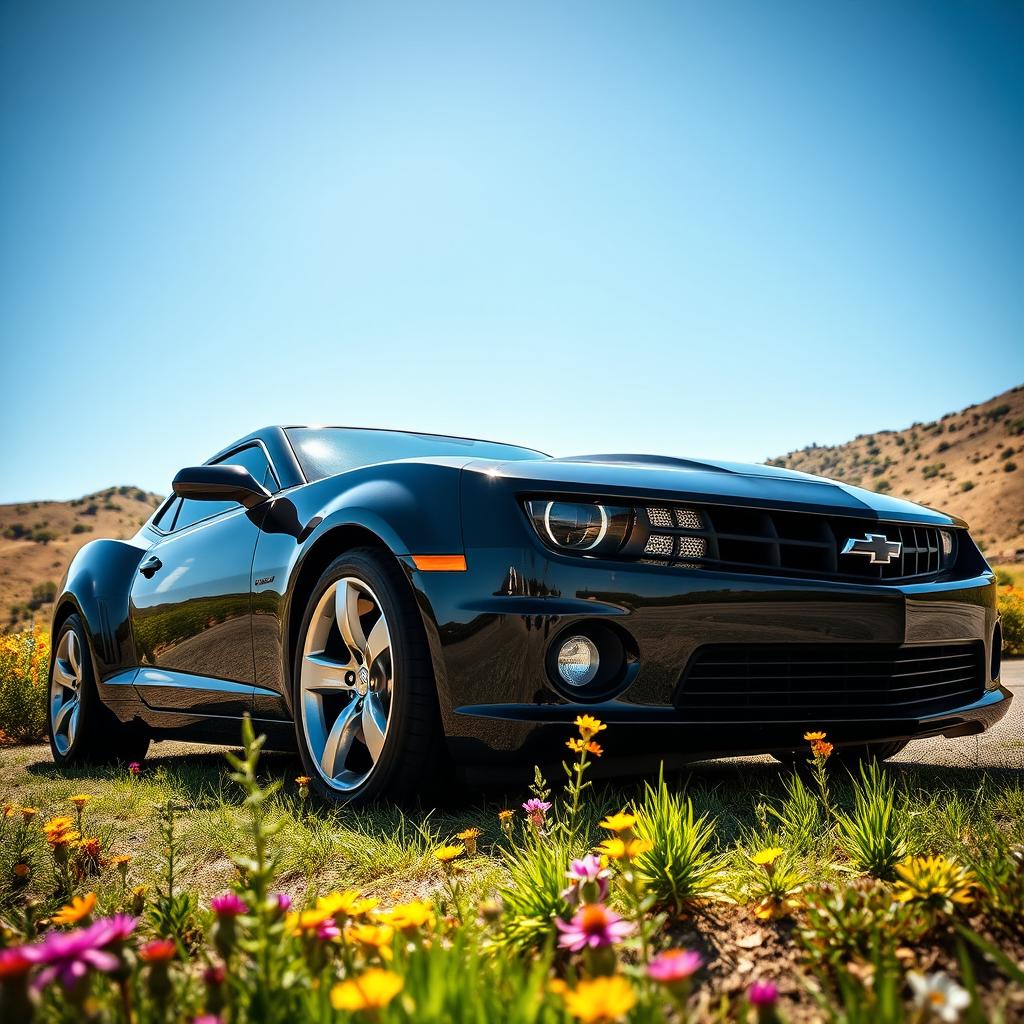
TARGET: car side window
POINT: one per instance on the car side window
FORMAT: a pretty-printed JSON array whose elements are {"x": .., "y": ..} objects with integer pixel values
[{"x": 254, "y": 460}]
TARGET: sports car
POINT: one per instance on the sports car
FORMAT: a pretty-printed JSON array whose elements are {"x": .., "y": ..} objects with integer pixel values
[{"x": 403, "y": 606}]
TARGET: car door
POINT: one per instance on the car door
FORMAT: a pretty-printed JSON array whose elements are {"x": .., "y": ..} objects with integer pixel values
[{"x": 191, "y": 601}]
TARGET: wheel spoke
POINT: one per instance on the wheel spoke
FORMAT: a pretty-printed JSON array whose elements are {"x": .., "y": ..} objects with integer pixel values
[
  {"x": 321, "y": 674},
  {"x": 377, "y": 643},
  {"x": 375, "y": 722},
  {"x": 66, "y": 719},
  {"x": 73, "y": 658},
  {"x": 63, "y": 675},
  {"x": 339, "y": 740},
  {"x": 346, "y": 610}
]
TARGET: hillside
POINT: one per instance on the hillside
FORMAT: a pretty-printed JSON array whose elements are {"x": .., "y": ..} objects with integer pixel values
[
  {"x": 39, "y": 538},
  {"x": 969, "y": 463}
]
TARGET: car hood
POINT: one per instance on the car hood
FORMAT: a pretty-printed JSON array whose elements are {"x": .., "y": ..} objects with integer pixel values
[{"x": 707, "y": 480}]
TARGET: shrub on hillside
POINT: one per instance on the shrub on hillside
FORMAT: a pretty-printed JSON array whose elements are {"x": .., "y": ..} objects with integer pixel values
[
  {"x": 24, "y": 670},
  {"x": 1011, "y": 617}
]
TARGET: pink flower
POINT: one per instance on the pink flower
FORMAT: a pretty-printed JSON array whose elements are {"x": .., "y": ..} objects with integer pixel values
[
  {"x": 228, "y": 904},
  {"x": 535, "y": 811},
  {"x": 207, "y": 1018},
  {"x": 134, "y": 768},
  {"x": 594, "y": 926},
  {"x": 327, "y": 930},
  {"x": 284, "y": 902},
  {"x": 14, "y": 962},
  {"x": 215, "y": 974},
  {"x": 674, "y": 965},
  {"x": 763, "y": 994},
  {"x": 70, "y": 955},
  {"x": 589, "y": 879}
]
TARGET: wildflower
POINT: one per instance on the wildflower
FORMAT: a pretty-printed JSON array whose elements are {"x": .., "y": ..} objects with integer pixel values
[
  {"x": 577, "y": 744},
  {"x": 15, "y": 1001},
  {"x": 536, "y": 810},
  {"x": 207, "y": 1018},
  {"x": 14, "y": 963},
  {"x": 158, "y": 951},
  {"x": 22, "y": 870},
  {"x": 228, "y": 904},
  {"x": 347, "y": 904},
  {"x": 763, "y": 995},
  {"x": 77, "y": 910},
  {"x": 506, "y": 816},
  {"x": 134, "y": 768},
  {"x": 214, "y": 977},
  {"x": 589, "y": 726},
  {"x": 70, "y": 955},
  {"x": 372, "y": 990},
  {"x": 446, "y": 854},
  {"x": 590, "y": 881},
  {"x": 138, "y": 901},
  {"x": 408, "y": 917},
  {"x": 80, "y": 800},
  {"x": 303, "y": 781},
  {"x": 469, "y": 837},
  {"x": 933, "y": 880},
  {"x": 937, "y": 994},
  {"x": 121, "y": 862},
  {"x": 60, "y": 831},
  {"x": 595, "y": 748},
  {"x": 372, "y": 938},
  {"x": 593, "y": 926},
  {"x": 89, "y": 858},
  {"x": 812, "y": 736},
  {"x": 10, "y": 810},
  {"x": 621, "y": 849},
  {"x": 313, "y": 922},
  {"x": 766, "y": 858},
  {"x": 618, "y": 823},
  {"x": 28, "y": 813},
  {"x": 819, "y": 748},
  {"x": 674, "y": 966},
  {"x": 282, "y": 902},
  {"x": 598, "y": 1000}
]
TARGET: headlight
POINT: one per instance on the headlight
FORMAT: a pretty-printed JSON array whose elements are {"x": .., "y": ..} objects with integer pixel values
[
  {"x": 583, "y": 527},
  {"x": 947, "y": 542}
]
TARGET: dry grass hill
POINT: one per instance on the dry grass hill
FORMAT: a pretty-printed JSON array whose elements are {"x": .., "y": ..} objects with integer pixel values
[
  {"x": 39, "y": 538},
  {"x": 969, "y": 463}
]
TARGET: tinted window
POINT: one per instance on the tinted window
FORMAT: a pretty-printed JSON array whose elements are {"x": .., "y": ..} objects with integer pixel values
[
  {"x": 324, "y": 451},
  {"x": 251, "y": 459},
  {"x": 165, "y": 520}
]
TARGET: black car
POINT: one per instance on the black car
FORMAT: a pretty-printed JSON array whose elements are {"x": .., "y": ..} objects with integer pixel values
[{"x": 402, "y": 605}]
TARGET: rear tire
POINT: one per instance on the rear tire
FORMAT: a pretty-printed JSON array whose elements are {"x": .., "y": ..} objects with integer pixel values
[
  {"x": 364, "y": 696},
  {"x": 81, "y": 729}
]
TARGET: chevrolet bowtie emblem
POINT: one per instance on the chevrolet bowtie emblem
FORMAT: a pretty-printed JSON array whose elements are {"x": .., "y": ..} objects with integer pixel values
[{"x": 877, "y": 546}]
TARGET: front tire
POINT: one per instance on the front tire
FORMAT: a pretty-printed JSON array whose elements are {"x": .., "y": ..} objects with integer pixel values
[
  {"x": 81, "y": 729},
  {"x": 364, "y": 696}
]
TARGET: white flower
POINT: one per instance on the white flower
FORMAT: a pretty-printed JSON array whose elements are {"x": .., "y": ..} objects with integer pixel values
[{"x": 939, "y": 995}]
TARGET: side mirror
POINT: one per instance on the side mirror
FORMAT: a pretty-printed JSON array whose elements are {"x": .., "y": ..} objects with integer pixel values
[{"x": 220, "y": 483}]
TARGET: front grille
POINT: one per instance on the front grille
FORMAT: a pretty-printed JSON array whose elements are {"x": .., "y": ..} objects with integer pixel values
[
  {"x": 783, "y": 543},
  {"x": 816, "y": 683}
]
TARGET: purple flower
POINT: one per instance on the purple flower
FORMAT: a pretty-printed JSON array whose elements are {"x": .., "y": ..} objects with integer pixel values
[
  {"x": 284, "y": 903},
  {"x": 70, "y": 955},
  {"x": 594, "y": 926},
  {"x": 589, "y": 880},
  {"x": 533, "y": 805},
  {"x": 763, "y": 994},
  {"x": 207, "y": 1018},
  {"x": 228, "y": 904},
  {"x": 674, "y": 965}
]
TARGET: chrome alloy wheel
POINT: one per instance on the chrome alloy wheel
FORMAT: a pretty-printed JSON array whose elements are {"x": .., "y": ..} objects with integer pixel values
[
  {"x": 346, "y": 683},
  {"x": 66, "y": 691}
]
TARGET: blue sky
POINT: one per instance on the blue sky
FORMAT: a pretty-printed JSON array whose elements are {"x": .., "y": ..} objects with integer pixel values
[{"x": 719, "y": 229}]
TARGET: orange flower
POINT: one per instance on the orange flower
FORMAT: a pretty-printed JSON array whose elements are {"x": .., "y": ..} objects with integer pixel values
[
  {"x": 821, "y": 749},
  {"x": 595, "y": 748},
  {"x": 77, "y": 910},
  {"x": 158, "y": 951},
  {"x": 21, "y": 870},
  {"x": 812, "y": 736}
]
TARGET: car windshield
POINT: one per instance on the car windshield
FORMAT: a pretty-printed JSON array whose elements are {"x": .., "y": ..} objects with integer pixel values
[{"x": 325, "y": 451}]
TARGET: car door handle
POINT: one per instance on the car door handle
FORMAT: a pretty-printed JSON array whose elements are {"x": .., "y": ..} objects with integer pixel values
[{"x": 150, "y": 566}]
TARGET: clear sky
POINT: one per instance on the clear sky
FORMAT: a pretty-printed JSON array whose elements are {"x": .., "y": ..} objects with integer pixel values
[{"x": 724, "y": 229}]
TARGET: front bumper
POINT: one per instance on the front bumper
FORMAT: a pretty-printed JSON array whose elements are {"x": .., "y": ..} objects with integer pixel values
[{"x": 490, "y": 628}]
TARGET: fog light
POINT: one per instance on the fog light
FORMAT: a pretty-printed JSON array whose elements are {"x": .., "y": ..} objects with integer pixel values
[{"x": 577, "y": 661}]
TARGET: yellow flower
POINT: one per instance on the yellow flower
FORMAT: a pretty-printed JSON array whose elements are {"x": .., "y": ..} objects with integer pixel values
[
  {"x": 620, "y": 849},
  {"x": 303, "y": 780},
  {"x": 771, "y": 908},
  {"x": 302, "y": 921},
  {"x": 60, "y": 824},
  {"x": 78, "y": 909},
  {"x": 446, "y": 854},
  {"x": 469, "y": 837},
  {"x": 374, "y": 938},
  {"x": 505, "y": 816},
  {"x": 372, "y": 990},
  {"x": 120, "y": 859},
  {"x": 408, "y": 917},
  {"x": 812, "y": 736},
  {"x": 589, "y": 726},
  {"x": 933, "y": 880},
  {"x": 600, "y": 999},
  {"x": 28, "y": 813},
  {"x": 80, "y": 799},
  {"x": 767, "y": 857},
  {"x": 621, "y": 822},
  {"x": 576, "y": 744},
  {"x": 346, "y": 904}
]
